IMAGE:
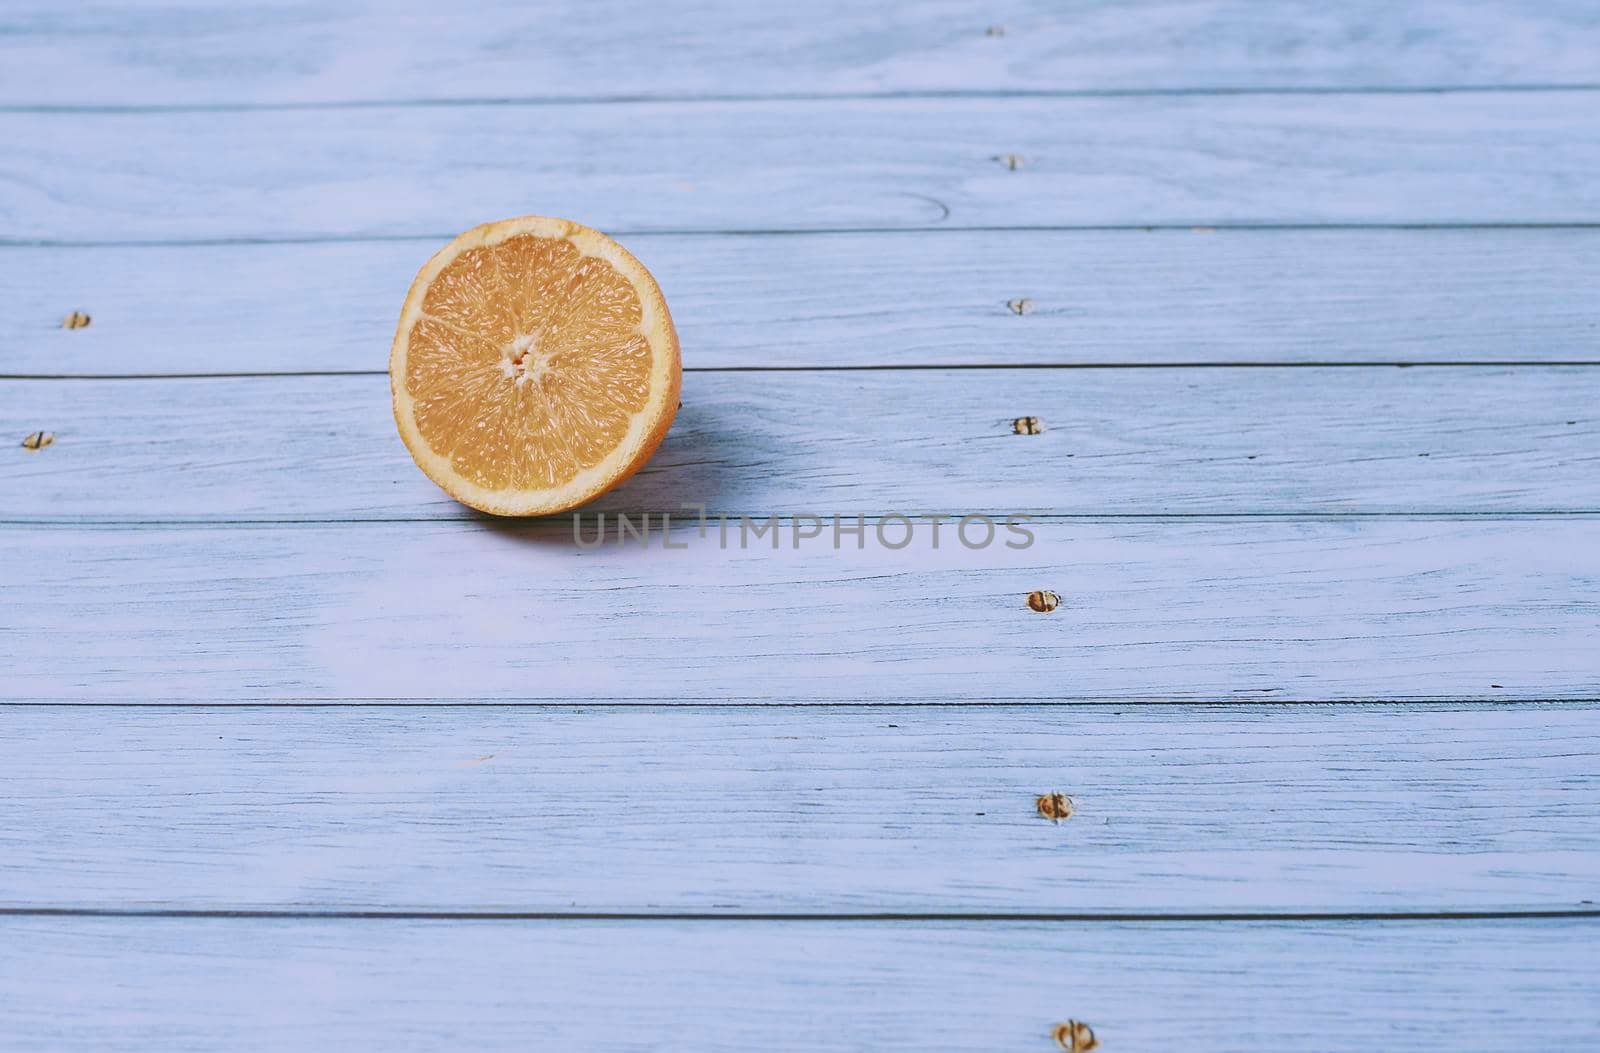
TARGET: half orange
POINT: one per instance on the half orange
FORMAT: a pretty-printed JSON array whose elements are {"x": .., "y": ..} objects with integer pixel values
[{"x": 535, "y": 366}]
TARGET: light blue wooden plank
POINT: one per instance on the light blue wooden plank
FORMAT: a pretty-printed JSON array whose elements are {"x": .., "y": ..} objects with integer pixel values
[
  {"x": 76, "y": 983},
  {"x": 1452, "y": 158},
  {"x": 1114, "y": 442},
  {"x": 936, "y": 298},
  {"x": 1344, "y": 610},
  {"x": 780, "y": 810},
  {"x": 259, "y": 52}
]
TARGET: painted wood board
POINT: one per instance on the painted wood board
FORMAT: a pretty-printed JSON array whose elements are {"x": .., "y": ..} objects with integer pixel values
[
  {"x": 1223, "y": 610},
  {"x": 116, "y": 983},
  {"x": 799, "y": 165},
  {"x": 1113, "y": 442},
  {"x": 910, "y": 298},
  {"x": 264, "y": 53},
  {"x": 1227, "y": 610},
  {"x": 1249, "y": 809}
]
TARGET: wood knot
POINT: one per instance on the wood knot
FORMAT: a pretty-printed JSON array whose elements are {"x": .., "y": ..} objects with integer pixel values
[
  {"x": 1044, "y": 601},
  {"x": 1020, "y": 306},
  {"x": 38, "y": 440},
  {"x": 1026, "y": 426},
  {"x": 995, "y": 31},
  {"x": 75, "y": 320},
  {"x": 1075, "y": 1037},
  {"x": 1054, "y": 807},
  {"x": 1011, "y": 161}
]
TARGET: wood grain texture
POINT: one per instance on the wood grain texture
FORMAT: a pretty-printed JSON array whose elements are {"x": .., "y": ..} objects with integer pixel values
[
  {"x": 1343, "y": 610},
  {"x": 913, "y": 298},
  {"x": 197, "y": 54},
  {"x": 798, "y": 165},
  {"x": 782, "y": 810},
  {"x": 209, "y": 169},
  {"x": 207, "y": 984},
  {"x": 1120, "y": 442}
]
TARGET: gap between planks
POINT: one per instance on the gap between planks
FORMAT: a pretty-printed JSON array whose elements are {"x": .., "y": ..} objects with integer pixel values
[
  {"x": 544, "y": 523},
  {"x": 915, "y": 367},
  {"x": 538, "y": 101},
  {"x": 1219, "y": 226},
  {"x": 1157, "y": 702},
  {"x": 912, "y": 918}
]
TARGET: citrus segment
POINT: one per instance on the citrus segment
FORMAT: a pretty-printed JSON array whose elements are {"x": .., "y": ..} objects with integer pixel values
[{"x": 535, "y": 366}]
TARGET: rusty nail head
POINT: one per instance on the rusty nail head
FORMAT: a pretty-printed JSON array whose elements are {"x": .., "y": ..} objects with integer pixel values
[
  {"x": 1054, "y": 807},
  {"x": 1075, "y": 1037},
  {"x": 1043, "y": 601}
]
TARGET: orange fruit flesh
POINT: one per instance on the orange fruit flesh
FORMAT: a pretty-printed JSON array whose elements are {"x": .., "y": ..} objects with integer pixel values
[{"x": 533, "y": 364}]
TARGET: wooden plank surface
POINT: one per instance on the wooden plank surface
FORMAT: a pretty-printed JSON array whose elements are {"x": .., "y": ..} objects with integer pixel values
[
  {"x": 254, "y": 53},
  {"x": 1339, "y": 610},
  {"x": 936, "y": 298},
  {"x": 246, "y": 190},
  {"x": 799, "y": 165},
  {"x": 1191, "y": 810},
  {"x": 82, "y": 983},
  {"x": 1120, "y": 442}
]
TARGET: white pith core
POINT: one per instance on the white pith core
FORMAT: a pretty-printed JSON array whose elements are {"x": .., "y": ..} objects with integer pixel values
[{"x": 523, "y": 360}]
